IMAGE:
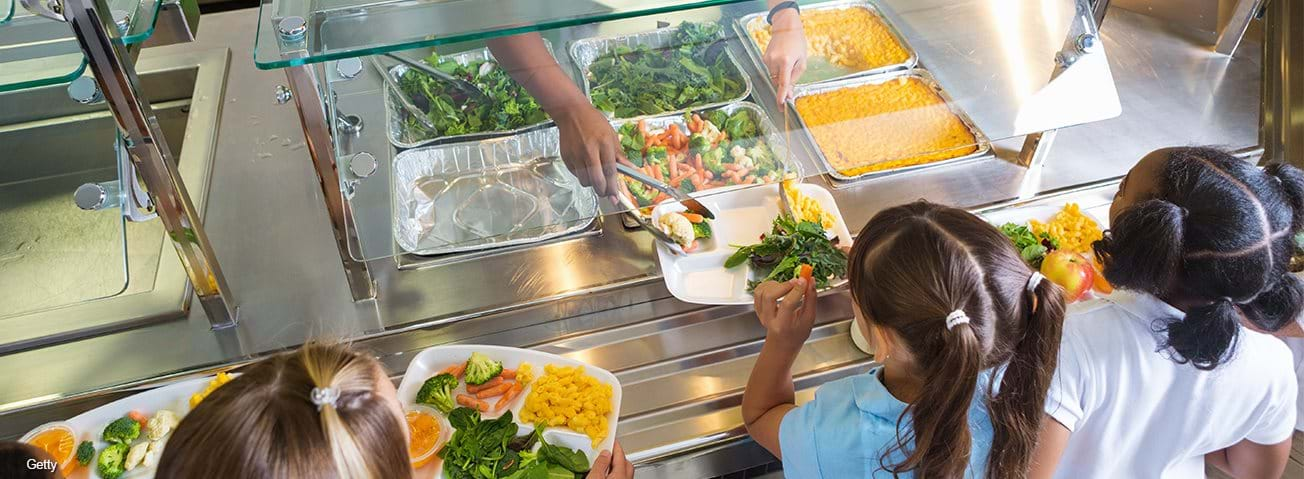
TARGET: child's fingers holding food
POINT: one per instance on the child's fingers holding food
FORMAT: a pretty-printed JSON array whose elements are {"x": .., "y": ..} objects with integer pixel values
[{"x": 766, "y": 300}]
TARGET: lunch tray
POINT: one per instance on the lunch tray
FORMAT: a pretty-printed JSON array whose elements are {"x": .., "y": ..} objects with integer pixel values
[
  {"x": 745, "y": 25},
  {"x": 394, "y": 112},
  {"x": 585, "y": 52},
  {"x": 773, "y": 136},
  {"x": 473, "y": 196},
  {"x": 982, "y": 144}
]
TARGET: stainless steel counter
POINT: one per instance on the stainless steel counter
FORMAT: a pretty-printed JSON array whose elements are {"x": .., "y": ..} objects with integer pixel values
[{"x": 683, "y": 366}]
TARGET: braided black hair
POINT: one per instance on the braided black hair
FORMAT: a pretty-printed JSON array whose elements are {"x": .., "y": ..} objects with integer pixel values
[{"x": 1221, "y": 231}]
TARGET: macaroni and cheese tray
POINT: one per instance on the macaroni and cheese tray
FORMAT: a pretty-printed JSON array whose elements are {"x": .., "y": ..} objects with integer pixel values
[
  {"x": 849, "y": 38},
  {"x": 462, "y": 401},
  {"x": 873, "y": 126}
]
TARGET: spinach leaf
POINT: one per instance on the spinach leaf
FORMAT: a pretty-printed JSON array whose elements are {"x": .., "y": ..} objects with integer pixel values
[{"x": 572, "y": 460}]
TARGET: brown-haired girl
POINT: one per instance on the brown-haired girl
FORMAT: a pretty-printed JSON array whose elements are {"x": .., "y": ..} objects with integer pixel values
[
  {"x": 1162, "y": 376},
  {"x": 323, "y": 411},
  {"x": 967, "y": 337}
]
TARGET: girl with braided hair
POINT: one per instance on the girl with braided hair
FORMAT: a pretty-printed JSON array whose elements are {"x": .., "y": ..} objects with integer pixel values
[
  {"x": 966, "y": 336},
  {"x": 1163, "y": 376}
]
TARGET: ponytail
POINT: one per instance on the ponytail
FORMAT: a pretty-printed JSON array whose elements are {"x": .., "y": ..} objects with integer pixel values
[
  {"x": 1205, "y": 336},
  {"x": 1292, "y": 184},
  {"x": 1143, "y": 249},
  {"x": 1277, "y": 306},
  {"x": 939, "y": 427},
  {"x": 345, "y": 381},
  {"x": 1016, "y": 410}
]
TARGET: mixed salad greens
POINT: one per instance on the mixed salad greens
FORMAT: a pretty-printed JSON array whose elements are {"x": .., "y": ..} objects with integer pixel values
[
  {"x": 707, "y": 149},
  {"x": 454, "y": 112},
  {"x": 791, "y": 244},
  {"x": 1032, "y": 247},
  {"x": 491, "y": 449},
  {"x": 639, "y": 81}
]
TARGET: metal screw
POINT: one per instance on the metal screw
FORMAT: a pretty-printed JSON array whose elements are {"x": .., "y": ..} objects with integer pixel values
[
  {"x": 97, "y": 196},
  {"x": 122, "y": 19},
  {"x": 1065, "y": 60},
  {"x": 349, "y": 68},
  {"x": 292, "y": 28},
  {"x": 1088, "y": 43},
  {"x": 283, "y": 95},
  {"x": 84, "y": 90},
  {"x": 348, "y": 124},
  {"x": 363, "y": 165}
]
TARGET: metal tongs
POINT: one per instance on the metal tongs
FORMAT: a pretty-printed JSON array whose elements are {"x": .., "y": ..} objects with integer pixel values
[
  {"x": 402, "y": 96},
  {"x": 632, "y": 209},
  {"x": 458, "y": 83},
  {"x": 690, "y": 203}
]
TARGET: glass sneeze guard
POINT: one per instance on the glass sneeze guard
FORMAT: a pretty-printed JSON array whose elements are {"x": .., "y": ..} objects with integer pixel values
[
  {"x": 974, "y": 73},
  {"x": 37, "y": 51}
]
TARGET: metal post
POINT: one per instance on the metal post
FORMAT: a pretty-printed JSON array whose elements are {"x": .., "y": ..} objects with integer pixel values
[
  {"x": 1082, "y": 39},
  {"x": 317, "y": 132},
  {"x": 116, "y": 74},
  {"x": 1232, "y": 33},
  {"x": 1281, "y": 124}
]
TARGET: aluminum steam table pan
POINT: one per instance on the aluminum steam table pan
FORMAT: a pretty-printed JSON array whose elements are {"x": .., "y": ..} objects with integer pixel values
[
  {"x": 981, "y": 143},
  {"x": 772, "y": 135},
  {"x": 396, "y": 114},
  {"x": 748, "y": 24},
  {"x": 473, "y": 196},
  {"x": 585, "y": 52}
]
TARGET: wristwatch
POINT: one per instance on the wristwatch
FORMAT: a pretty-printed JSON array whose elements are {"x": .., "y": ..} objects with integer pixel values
[{"x": 769, "y": 19}]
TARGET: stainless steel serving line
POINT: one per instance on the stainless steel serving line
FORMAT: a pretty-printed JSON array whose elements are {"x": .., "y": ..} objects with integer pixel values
[{"x": 595, "y": 296}]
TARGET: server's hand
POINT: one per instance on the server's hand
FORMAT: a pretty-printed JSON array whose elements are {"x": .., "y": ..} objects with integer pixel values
[
  {"x": 589, "y": 146},
  {"x": 785, "y": 56},
  {"x": 612, "y": 465}
]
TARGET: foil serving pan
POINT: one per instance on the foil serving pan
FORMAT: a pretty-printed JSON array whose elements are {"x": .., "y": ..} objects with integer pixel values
[
  {"x": 585, "y": 52},
  {"x": 495, "y": 193},
  {"x": 982, "y": 145},
  {"x": 748, "y": 24},
  {"x": 395, "y": 114}
]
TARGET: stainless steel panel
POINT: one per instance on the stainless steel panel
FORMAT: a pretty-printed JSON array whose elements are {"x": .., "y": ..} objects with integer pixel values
[
  {"x": 473, "y": 196},
  {"x": 584, "y": 52},
  {"x": 982, "y": 145},
  {"x": 395, "y": 114},
  {"x": 748, "y": 24}
]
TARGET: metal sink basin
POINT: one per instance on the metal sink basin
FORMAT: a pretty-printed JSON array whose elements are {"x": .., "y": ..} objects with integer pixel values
[{"x": 49, "y": 145}]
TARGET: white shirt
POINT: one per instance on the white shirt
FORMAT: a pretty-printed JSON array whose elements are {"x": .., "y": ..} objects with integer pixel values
[
  {"x": 1133, "y": 412},
  {"x": 1297, "y": 348}
]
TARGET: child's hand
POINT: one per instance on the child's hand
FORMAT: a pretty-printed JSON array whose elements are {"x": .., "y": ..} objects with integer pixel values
[
  {"x": 612, "y": 465},
  {"x": 787, "y": 322}
]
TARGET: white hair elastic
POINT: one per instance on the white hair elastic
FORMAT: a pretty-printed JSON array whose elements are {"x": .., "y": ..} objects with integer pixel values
[
  {"x": 323, "y": 396},
  {"x": 956, "y": 317},
  {"x": 1033, "y": 282}
]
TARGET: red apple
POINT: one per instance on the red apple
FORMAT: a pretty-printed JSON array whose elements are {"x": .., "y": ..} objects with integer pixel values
[{"x": 1071, "y": 271}]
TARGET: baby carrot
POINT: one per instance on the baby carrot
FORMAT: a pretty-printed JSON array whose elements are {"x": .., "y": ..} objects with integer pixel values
[
  {"x": 494, "y": 391},
  {"x": 508, "y": 396},
  {"x": 472, "y": 388},
  {"x": 693, "y": 217},
  {"x": 805, "y": 271},
  {"x": 471, "y": 401},
  {"x": 508, "y": 374}
]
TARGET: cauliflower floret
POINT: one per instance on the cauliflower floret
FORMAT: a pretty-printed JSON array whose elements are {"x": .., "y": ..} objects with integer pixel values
[
  {"x": 161, "y": 424},
  {"x": 678, "y": 227},
  {"x": 154, "y": 453},
  {"x": 737, "y": 151},
  {"x": 136, "y": 455},
  {"x": 745, "y": 162}
]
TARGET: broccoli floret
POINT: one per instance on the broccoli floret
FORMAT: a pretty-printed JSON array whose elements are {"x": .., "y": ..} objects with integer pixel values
[
  {"x": 112, "y": 461},
  {"x": 717, "y": 118},
  {"x": 698, "y": 142},
  {"x": 702, "y": 230},
  {"x": 642, "y": 193},
  {"x": 123, "y": 430},
  {"x": 438, "y": 392},
  {"x": 763, "y": 159},
  {"x": 713, "y": 161},
  {"x": 740, "y": 125},
  {"x": 658, "y": 155},
  {"x": 480, "y": 369},
  {"x": 85, "y": 452},
  {"x": 686, "y": 186}
]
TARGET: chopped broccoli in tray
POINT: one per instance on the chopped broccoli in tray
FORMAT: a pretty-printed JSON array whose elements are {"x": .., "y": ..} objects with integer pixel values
[
  {"x": 85, "y": 453},
  {"x": 122, "y": 431},
  {"x": 641, "y": 81},
  {"x": 438, "y": 392},
  {"x": 113, "y": 460},
  {"x": 480, "y": 369}
]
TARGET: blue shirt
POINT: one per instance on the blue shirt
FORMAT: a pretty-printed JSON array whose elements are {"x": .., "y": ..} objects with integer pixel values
[{"x": 844, "y": 431}]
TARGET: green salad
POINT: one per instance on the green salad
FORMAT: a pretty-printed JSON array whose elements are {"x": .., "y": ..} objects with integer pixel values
[
  {"x": 789, "y": 245},
  {"x": 639, "y": 81},
  {"x": 454, "y": 112}
]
